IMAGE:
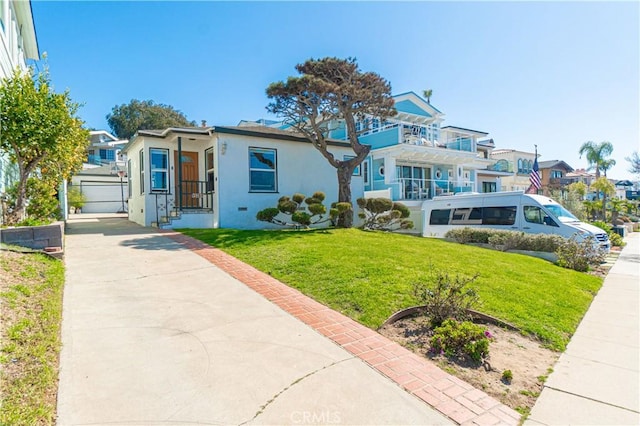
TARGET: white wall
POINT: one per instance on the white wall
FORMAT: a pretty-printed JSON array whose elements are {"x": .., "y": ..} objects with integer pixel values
[
  {"x": 104, "y": 194},
  {"x": 300, "y": 168}
]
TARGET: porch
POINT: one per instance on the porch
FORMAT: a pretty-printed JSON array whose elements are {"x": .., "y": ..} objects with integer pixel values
[{"x": 190, "y": 205}]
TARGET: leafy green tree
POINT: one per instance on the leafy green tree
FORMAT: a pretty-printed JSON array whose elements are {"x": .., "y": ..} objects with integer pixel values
[
  {"x": 41, "y": 133},
  {"x": 604, "y": 186},
  {"x": 126, "y": 119},
  {"x": 328, "y": 91},
  {"x": 634, "y": 163}
]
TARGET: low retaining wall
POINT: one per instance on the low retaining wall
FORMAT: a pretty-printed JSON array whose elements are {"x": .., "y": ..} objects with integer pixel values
[{"x": 34, "y": 237}]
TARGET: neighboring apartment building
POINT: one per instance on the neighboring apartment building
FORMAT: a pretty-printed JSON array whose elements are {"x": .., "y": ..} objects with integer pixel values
[
  {"x": 518, "y": 165},
  {"x": 414, "y": 158},
  {"x": 18, "y": 43}
]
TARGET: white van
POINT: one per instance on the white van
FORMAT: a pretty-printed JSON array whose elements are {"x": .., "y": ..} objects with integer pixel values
[{"x": 511, "y": 211}]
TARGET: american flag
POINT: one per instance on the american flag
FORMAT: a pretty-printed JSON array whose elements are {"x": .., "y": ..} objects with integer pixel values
[{"x": 534, "y": 177}]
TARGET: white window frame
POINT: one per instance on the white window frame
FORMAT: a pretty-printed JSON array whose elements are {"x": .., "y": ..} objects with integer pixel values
[
  {"x": 153, "y": 170},
  {"x": 141, "y": 158},
  {"x": 252, "y": 187}
]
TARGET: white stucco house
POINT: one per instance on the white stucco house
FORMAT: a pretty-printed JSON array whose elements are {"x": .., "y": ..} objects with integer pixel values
[{"x": 221, "y": 176}]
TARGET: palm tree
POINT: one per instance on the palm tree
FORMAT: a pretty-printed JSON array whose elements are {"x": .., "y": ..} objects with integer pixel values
[
  {"x": 597, "y": 154},
  {"x": 606, "y": 165},
  {"x": 427, "y": 94}
]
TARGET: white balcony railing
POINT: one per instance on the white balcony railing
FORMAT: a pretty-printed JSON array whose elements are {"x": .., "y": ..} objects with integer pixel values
[{"x": 423, "y": 189}]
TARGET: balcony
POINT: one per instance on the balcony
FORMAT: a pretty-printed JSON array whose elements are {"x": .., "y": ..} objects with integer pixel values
[
  {"x": 424, "y": 189},
  {"x": 562, "y": 181}
]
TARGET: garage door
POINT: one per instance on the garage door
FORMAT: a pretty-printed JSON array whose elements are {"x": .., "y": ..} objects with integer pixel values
[{"x": 104, "y": 197}]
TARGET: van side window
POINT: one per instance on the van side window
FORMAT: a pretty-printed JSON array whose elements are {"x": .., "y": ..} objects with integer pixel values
[
  {"x": 467, "y": 216},
  {"x": 533, "y": 214},
  {"x": 439, "y": 217},
  {"x": 499, "y": 215}
]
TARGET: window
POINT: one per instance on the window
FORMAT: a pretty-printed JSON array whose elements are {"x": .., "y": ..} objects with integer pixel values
[
  {"x": 489, "y": 187},
  {"x": 533, "y": 214},
  {"x": 209, "y": 167},
  {"x": 129, "y": 189},
  {"x": 499, "y": 215},
  {"x": 141, "y": 156},
  {"x": 107, "y": 154},
  {"x": 262, "y": 170},
  {"x": 159, "y": 160},
  {"x": 365, "y": 172},
  {"x": 439, "y": 217},
  {"x": 375, "y": 125},
  {"x": 520, "y": 166},
  {"x": 467, "y": 216},
  {"x": 556, "y": 174}
]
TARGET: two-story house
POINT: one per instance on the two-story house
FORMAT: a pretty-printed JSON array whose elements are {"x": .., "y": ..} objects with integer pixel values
[
  {"x": 518, "y": 165},
  {"x": 553, "y": 175}
]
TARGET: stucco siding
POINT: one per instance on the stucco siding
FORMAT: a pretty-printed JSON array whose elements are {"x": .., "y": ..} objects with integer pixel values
[{"x": 300, "y": 169}]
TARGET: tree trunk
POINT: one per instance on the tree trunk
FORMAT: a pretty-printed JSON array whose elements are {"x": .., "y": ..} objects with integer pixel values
[
  {"x": 19, "y": 210},
  {"x": 345, "y": 220}
]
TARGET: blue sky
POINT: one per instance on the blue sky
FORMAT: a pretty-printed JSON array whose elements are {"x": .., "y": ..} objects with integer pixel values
[{"x": 555, "y": 74}]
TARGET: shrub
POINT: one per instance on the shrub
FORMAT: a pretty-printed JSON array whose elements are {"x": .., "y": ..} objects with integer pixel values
[
  {"x": 383, "y": 214},
  {"x": 470, "y": 235},
  {"x": 616, "y": 240},
  {"x": 42, "y": 207},
  {"x": 507, "y": 376},
  {"x": 507, "y": 240},
  {"x": 455, "y": 339},
  {"x": 579, "y": 256},
  {"x": 293, "y": 209},
  {"x": 602, "y": 225},
  {"x": 76, "y": 198},
  {"x": 446, "y": 298}
]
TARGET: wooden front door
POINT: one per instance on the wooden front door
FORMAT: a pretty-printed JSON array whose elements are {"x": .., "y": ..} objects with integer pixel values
[{"x": 190, "y": 185}]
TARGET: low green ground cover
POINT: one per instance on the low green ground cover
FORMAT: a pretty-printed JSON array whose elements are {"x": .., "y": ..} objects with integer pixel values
[
  {"x": 370, "y": 275},
  {"x": 31, "y": 313}
]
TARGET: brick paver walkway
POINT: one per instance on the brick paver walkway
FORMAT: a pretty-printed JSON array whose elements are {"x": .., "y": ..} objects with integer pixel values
[{"x": 453, "y": 397}]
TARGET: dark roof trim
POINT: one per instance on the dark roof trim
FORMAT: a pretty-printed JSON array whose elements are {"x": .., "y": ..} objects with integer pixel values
[
  {"x": 553, "y": 163},
  {"x": 271, "y": 133}
]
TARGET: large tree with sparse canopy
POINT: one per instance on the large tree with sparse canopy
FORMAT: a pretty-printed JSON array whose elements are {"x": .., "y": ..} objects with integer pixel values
[
  {"x": 41, "y": 134},
  {"x": 634, "y": 163},
  {"x": 329, "y": 92},
  {"x": 126, "y": 119}
]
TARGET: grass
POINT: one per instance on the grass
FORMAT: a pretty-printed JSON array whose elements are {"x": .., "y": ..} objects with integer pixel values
[
  {"x": 370, "y": 275},
  {"x": 31, "y": 311}
]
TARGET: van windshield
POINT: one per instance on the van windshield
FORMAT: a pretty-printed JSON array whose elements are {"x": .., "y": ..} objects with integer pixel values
[{"x": 561, "y": 213}]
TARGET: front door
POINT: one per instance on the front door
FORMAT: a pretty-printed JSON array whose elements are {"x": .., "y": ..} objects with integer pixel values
[{"x": 190, "y": 186}]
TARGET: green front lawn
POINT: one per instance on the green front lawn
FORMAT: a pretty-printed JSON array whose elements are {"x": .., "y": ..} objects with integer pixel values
[{"x": 370, "y": 275}]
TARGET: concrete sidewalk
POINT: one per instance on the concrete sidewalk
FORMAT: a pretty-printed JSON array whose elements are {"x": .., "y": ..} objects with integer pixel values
[
  {"x": 596, "y": 380},
  {"x": 155, "y": 334}
]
